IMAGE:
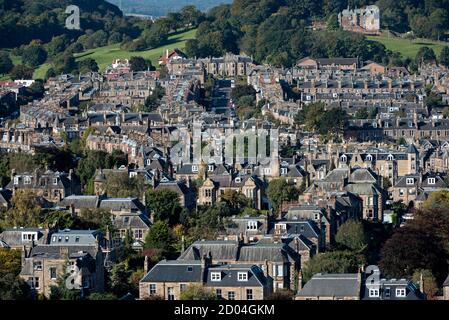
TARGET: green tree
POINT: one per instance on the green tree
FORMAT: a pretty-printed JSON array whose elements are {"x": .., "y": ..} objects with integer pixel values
[
  {"x": 5, "y": 63},
  {"x": 361, "y": 113},
  {"x": 437, "y": 200},
  {"x": 280, "y": 191},
  {"x": 10, "y": 262},
  {"x": 430, "y": 286},
  {"x": 101, "y": 296},
  {"x": 164, "y": 203},
  {"x": 34, "y": 55},
  {"x": 25, "y": 211},
  {"x": 333, "y": 262},
  {"x": 21, "y": 71},
  {"x": 351, "y": 235},
  {"x": 425, "y": 55},
  {"x": 139, "y": 64},
  {"x": 159, "y": 236},
  {"x": 235, "y": 200},
  {"x": 196, "y": 292},
  {"x": 332, "y": 22},
  {"x": 119, "y": 279},
  {"x": 88, "y": 65},
  {"x": 13, "y": 288}
]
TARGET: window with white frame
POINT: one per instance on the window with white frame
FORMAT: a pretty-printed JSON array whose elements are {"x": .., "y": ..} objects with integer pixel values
[
  {"x": 390, "y": 157},
  {"x": 252, "y": 225},
  {"x": 267, "y": 170},
  {"x": 400, "y": 293},
  {"x": 431, "y": 180},
  {"x": 283, "y": 171},
  {"x": 55, "y": 181},
  {"x": 211, "y": 168},
  {"x": 242, "y": 276},
  {"x": 215, "y": 276},
  {"x": 373, "y": 293},
  {"x": 401, "y": 192},
  {"x": 410, "y": 181},
  {"x": 152, "y": 288},
  {"x": 249, "y": 294},
  {"x": 27, "y": 180},
  {"x": 231, "y": 295},
  {"x": 194, "y": 168}
]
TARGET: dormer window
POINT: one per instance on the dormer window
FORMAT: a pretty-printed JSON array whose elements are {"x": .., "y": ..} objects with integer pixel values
[
  {"x": 238, "y": 180},
  {"x": 343, "y": 158},
  {"x": 400, "y": 293},
  {"x": 373, "y": 293},
  {"x": 242, "y": 276},
  {"x": 431, "y": 180},
  {"x": 27, "y": 180},
  {"x": 55, "y": 181},
  {"x": 215, "y": 276},
  {"x": 390, "y": 157},
  {"x": 267, "y": 170},
  {"x": 283, "y": 171},
  {"x": 211, "y": 168},
  {"x": 410, "y": 181},
  {"x": 194, "y": 168},
  {"x": 252, "y": 225}
]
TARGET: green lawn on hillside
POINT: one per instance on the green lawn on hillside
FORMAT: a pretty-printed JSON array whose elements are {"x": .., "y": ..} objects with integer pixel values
[
  {"x": 105, "y": 55},
  {"x": 408, "y": 48}
]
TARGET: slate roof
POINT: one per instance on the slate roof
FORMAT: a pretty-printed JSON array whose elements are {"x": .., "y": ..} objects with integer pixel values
[
  {"x": 69, "y": 237},
  {"x": 229, "y": 276},
  {"x": 13, "y": 237},
  {"x": 332, "y": 285},
  {"x": 125, "y": 221},
  {"x": 117, "y": 204},
  {"x": 174, "y": 271},
  {"x": 79, "y": 201},
  {"x": 220, "y": 250}
]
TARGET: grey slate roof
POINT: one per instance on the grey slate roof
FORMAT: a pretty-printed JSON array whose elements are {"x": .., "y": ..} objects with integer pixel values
[
  {"x": 174, "y": 271},
  {"x": 220, "y": 250},
  {"x": 332, "y": 285},
  {"x": 229, "y": 276}
]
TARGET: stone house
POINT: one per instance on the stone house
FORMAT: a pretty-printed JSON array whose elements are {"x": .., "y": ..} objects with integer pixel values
[
  {"x": 167, "y": 279},
  {"x": 77, "y": 254},
  {"x": 52, "y": 186}
]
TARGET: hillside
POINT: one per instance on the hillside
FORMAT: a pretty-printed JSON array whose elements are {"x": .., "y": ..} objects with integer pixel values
[
  {"x": 159, "y": 8},
  {"x": 104, "y": 55},
  {"x": 407, "y": 48},
  {"x": 24, "y": 20}
]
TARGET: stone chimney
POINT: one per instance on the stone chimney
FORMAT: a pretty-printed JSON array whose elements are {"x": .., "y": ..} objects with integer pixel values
[
  {"x": 146, "y": 264},
  {"x": 64, "y": 252},
  {"x": 390, "y": 84}
]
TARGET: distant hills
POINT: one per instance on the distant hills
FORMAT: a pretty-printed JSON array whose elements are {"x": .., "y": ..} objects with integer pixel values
[{"x": 162, "y": 7}]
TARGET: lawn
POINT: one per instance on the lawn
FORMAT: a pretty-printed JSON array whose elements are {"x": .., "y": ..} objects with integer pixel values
[
  {"x": 105, "y": 55},
  {"x": 408, "y": 48}
]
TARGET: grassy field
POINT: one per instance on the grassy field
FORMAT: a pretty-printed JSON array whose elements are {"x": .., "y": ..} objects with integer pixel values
[
  {"x": 105, "y": 55},
  {"x": 408, "y": 48}
]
